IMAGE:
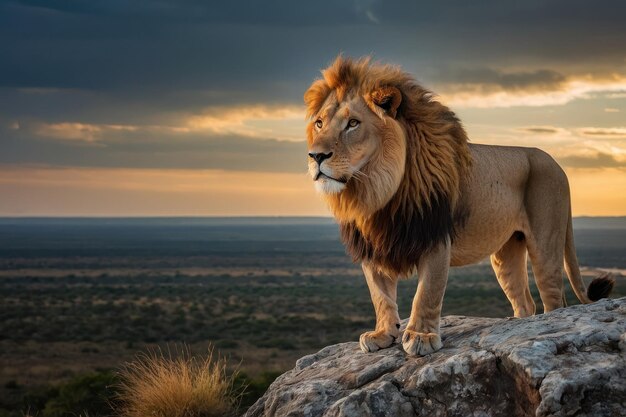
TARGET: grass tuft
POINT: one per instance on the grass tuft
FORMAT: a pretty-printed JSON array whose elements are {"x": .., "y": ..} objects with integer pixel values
[{"x": 177, "y": 385}]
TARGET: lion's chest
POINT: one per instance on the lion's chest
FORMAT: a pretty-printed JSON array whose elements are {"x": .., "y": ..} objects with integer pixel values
[{"x": 394, "y": 239}]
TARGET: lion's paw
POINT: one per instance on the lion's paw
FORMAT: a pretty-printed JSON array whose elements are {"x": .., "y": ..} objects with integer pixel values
[
  {"x": 376, "y": 340},
  {"x": 420, "y": 344}
]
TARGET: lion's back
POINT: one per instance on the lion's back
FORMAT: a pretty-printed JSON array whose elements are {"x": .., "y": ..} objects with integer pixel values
[{"x": 506, "y": 182}]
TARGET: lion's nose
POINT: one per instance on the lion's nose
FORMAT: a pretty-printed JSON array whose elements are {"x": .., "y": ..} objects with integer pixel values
[{"x": 320, "y": 156}]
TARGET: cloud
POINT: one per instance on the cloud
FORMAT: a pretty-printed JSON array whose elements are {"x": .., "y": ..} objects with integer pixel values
[
  {"x": 575, "y": 133},
  {"x": 540, "y": 129},
  {"x": 84, "y": 132},
  {"x": 597, "y": 160},
  {"x": 44, "y": 90},
  {"x": 253, "y": 121},
  {"x": 278, "y": 46},
  {"x": 568, "y": 145},
  {"x": 364, "y": 7},
  {"x": 145, "y": 84},
  {"x": 159, "y": 147},
  {"x": 526, "y": 91},
  {"x": 258, "y": 121},
  {"x": 616, "y": 132},
  {"x": 488, "y": 79},
  {"x": 235, "y": 139}
]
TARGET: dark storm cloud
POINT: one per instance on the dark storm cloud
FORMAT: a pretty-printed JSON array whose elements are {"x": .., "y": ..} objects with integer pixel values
[
  {"x": 138, "y": 62},
  {"x": 268, "y": 12},
  {"x": 146, "y": 45}
]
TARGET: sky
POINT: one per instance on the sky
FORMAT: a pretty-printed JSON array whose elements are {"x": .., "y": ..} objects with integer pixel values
[{"x": 176, "y": 108}]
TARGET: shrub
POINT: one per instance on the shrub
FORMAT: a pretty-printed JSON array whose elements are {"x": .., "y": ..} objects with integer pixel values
[
  {"x": 84, "y": 394},
  {"x": 176, "y": 385}
]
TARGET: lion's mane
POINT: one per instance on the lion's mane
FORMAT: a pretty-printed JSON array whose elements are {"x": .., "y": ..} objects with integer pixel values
[{"x": 425, "y": 209}]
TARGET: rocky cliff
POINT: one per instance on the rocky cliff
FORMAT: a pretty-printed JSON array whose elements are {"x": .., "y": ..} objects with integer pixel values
[{"x": 569, "y": 362}]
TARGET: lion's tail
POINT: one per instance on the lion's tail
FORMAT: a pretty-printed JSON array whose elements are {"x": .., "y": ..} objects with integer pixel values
[{"x": 599, "y": 288}]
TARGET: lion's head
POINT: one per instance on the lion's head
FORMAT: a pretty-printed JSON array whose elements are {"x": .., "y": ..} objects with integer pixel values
[
  {"x": 355, "y": 144},
  {"x": 383, "y": 152}
]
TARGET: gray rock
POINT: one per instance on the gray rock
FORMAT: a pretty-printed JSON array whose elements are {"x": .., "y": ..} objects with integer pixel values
[{"x": 570, "y": 362}]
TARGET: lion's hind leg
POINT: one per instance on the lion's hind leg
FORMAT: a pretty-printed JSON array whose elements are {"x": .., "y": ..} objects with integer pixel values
[
  {"x": 547, "y": 210},
  {"x": 383, "y": 290},
  {"x": 509, "y": 264},
  {"x": 546, "y": 258}
]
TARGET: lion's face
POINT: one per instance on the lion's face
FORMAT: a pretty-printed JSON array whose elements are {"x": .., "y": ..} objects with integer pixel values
[
  {"x": 357, "y": 143},
  {"x": 342, "y": 139}
]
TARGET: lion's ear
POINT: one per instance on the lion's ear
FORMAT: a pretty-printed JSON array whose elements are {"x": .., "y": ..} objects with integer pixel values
[{"x": 387, "y": 98}]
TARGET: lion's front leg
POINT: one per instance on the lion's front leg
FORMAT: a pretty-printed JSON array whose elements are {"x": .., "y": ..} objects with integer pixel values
[
  {"x": 383, "y": 290},
  {"x": 421, "y": 336}
]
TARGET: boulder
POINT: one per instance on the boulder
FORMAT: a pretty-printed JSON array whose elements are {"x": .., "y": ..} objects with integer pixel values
[{"x": 569, "y": 362}]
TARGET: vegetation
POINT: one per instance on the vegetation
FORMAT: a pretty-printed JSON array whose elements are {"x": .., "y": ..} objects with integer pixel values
[
  {"x": 90, "y": 394},
  {"x": 102, "y": 393},
  {"x": 79, "y": 303},
  {"x": 180, "y": 385}
]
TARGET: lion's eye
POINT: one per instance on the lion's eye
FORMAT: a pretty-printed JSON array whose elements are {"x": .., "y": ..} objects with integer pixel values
[
  {"x": 319, "y": 124},
  {"x": 353, "y": 123}
]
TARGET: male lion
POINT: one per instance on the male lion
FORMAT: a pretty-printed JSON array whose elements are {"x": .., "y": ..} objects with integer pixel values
[{"x": 410, "y": 194}]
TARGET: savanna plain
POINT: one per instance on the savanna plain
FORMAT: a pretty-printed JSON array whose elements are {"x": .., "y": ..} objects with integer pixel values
[{"x": 80, "y": 297}]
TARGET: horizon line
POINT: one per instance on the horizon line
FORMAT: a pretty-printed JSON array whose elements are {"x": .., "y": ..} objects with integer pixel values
[{"x": 209, "y": 216}]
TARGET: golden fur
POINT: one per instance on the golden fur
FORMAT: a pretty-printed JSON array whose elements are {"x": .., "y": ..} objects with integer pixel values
[
  {"x": 410, "y": 194},
  {"x": 436, "y": 142}
]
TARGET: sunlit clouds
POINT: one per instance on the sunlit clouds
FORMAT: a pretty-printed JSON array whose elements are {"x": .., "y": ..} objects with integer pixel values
[
  {"x": 250, "y": 159},
  {"x": 177, "y": 108},
  {"x": 552, "y": 91},
  {"x": 597, "y": 146},
  {"x": 586, "y": 147},
  {"x": 260, "y": 121},
  {"x": 78, "y": 131},
  {"x": 257, "y": 121},
  {"x": 616, "y": 132}
]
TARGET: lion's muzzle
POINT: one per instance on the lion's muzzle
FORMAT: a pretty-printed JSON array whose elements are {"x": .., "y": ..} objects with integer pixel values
[{"x": 319, "y": 157}]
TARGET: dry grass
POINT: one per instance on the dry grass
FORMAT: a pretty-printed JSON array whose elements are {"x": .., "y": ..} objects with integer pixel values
[{"x": 177, "y": 385}]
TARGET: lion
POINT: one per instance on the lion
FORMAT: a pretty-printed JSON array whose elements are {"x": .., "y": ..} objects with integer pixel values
[{"x": 411, "y": 194}]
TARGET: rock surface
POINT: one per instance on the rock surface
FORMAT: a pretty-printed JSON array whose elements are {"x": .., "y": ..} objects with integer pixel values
[{"x": 570, "y": 362}]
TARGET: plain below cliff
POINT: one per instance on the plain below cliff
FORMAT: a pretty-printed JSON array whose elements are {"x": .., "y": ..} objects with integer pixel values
[{"x": 570, "y": 362}]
